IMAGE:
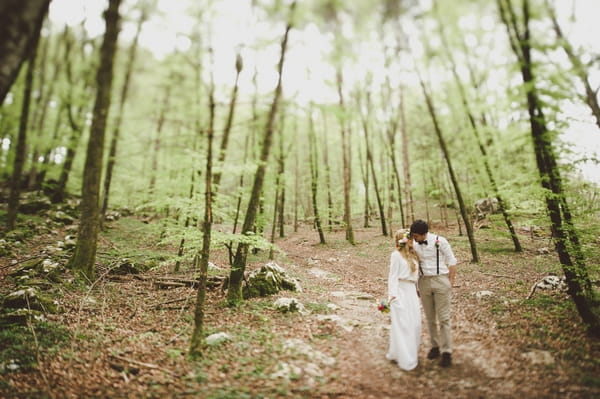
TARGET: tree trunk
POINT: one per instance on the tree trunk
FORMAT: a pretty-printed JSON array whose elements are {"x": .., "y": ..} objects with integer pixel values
[
  {"x": 369, "y": 165},
  {"x": 566, "y": 238},
  {"x": 20, "y": 150},
  {"x": 364, "y": 172},
  {"x": 327, "y": 179},
  {"x": 20, "y": 25},
  {"x": 197, "y": 334},
  {"x": 406, "y": 160},
  {"x": 346, "y": 165},
  {"x": 313, "y": 160},
  {"x": 234, "y": 293},
  {"x": 459, "y": 198},
  {"x": 84, "y": 256},
  {"x": 157, "y": 140},
  {"x": 114, "y": 142},
  {"x": 228, "y": 124}
]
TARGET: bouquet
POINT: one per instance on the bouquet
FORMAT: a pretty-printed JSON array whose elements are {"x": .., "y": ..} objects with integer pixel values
[{"x": 383, "y": 306}]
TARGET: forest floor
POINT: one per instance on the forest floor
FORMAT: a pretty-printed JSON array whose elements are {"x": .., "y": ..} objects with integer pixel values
[{"x": 127, "y": 338}]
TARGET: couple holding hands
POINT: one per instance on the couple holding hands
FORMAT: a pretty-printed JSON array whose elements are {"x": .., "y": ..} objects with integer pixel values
[{"x": 421, "y": 265}]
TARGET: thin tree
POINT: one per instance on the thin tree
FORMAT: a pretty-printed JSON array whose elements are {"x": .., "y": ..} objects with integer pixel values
[
  {"x": 346, "y": 164},
  {"x": 156, "y": 143},
  {"x": 234, "y": 293},
  {"x": 20, "y": 25},
  {"x": 84, "y": 257},
  {"x": 565, "y": 235},
  {"x": 114, "y": 141},
  {"x": 15, "y": 181},
  {"x": 227, "y": 130},
  {"x": 313, "y": 160},
  {"x": 203, "y": 257},
  {"x": 457, "y": 191},
  {"x": 370, "y": 165}
]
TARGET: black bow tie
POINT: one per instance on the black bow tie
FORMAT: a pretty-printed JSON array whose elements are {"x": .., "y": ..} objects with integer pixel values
[{"x": 422, "y": 242}]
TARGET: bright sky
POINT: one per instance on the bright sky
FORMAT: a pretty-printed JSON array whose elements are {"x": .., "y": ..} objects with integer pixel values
[{"x": 233, "y": 26}]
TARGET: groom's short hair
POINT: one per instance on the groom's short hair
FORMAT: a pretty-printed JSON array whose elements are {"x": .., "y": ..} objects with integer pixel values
[{"x": 419, "y": 227}]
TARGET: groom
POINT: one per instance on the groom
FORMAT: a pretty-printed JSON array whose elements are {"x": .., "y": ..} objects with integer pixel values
[{"x": 437, "y": 269}]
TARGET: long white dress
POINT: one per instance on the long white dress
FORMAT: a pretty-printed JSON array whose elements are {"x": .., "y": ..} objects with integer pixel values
[{"x": 405, "y": 311}]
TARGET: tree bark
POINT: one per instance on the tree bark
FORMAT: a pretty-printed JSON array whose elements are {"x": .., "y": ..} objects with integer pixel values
[
  {"x": 234, "y": 293},
  {"x": 20, "y": 25},
  {"x": 83, "y": 259}
]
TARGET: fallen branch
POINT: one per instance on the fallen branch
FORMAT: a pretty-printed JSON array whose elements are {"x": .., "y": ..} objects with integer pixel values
[{"x": 147, "y": 365}]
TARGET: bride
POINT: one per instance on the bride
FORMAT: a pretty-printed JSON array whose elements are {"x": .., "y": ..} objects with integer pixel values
[{"x": 405, "y": 332}]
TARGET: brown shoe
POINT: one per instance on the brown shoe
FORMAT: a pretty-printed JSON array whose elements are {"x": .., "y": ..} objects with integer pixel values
[
  {"x": 433, "y": 353},
  {"x": 446, "y": 359}
]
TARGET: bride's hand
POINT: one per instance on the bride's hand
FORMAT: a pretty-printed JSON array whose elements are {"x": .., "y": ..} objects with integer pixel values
[{"x": 391, "y": 299}]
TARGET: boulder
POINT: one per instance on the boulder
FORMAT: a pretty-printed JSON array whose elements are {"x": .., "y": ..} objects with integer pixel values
[
  {"x": 217, "y": 338},
  {"x": 268, "y": 280},
  {"x": 34, "y": 205},
  {"x": 288, "y": 305},
  {"x": 61, "y": 217}
]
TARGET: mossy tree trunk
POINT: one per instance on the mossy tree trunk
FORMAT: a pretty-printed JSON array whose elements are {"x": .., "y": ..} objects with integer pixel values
[
  {"x": 234, "y": 293},
  {"x": 84, "y": 257}
]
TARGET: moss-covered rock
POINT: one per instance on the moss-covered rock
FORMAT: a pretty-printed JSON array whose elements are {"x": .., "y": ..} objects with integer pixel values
[
  {"x": 268, "y": 280},
  {"x": 30, "y": 298},
  {"x": 20, "y": 316}
]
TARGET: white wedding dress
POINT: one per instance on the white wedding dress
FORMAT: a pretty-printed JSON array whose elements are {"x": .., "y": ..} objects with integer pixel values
[{"x": 405, "y": 311}]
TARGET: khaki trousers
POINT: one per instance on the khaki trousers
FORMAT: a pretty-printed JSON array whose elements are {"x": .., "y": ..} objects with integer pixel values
[{"x": 436, "y": 293}]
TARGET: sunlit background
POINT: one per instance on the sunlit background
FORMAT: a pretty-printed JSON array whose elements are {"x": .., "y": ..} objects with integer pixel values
[{"x": 309, "y": 75}]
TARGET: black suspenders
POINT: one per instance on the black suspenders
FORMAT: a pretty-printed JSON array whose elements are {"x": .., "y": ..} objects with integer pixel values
[{"x": 437, "y": 253}]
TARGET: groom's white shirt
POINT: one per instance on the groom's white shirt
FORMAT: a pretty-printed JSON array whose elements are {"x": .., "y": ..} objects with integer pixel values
[{"x": 428, "y": 258}]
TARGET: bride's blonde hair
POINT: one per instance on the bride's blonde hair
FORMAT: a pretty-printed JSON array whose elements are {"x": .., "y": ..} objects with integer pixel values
[{"x": 401, "y": 238}]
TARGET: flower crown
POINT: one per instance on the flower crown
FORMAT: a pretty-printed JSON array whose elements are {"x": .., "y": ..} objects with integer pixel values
[{"x": 402, "y": 242}]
